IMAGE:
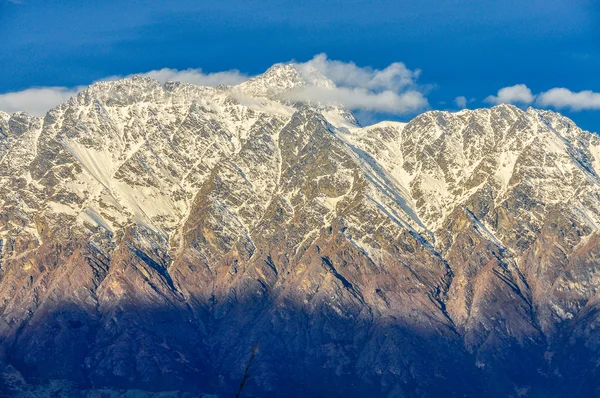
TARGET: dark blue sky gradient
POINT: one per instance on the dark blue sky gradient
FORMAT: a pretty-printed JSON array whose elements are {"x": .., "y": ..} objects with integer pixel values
[{"x": 470, "y": 48}]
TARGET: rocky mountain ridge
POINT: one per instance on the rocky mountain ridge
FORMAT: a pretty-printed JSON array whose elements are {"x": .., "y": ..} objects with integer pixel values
[{"x": 151, "y": 233}]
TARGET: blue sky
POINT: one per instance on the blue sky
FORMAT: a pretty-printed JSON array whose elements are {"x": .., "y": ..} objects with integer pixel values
[{"x": 470, "y": 48}]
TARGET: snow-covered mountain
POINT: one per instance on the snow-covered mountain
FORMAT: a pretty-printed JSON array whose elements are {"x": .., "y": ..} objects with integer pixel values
[{"x": 151, "y": 233}]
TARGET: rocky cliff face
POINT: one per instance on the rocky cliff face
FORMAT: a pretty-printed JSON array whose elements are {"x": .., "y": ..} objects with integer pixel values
[{"x": 151, "y": 234}]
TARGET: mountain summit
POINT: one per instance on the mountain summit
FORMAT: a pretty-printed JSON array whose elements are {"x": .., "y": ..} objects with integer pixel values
[
  {"x": 284, "y": 77},
  {"x": 151, "y": 234}
]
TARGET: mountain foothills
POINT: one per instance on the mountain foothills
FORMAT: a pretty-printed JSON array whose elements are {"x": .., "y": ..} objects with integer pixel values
[{"x": 151, "y": 234}]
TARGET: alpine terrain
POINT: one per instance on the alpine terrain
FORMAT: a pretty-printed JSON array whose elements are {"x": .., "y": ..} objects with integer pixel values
[{"x": 152, "y": 234}]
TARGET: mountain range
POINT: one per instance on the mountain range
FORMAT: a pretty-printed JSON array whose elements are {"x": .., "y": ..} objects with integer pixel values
[{"x": 152, "y": 234}]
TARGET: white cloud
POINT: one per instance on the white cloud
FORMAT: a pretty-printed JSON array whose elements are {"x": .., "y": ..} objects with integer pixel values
[
  {"x": 197, "y": 77},
  {"x": 517, "y": 94},
  {"x": 461, "y": 101},
  {"x": 391, "y": 90},
  {"x": 362, "y": 99},
  {"x": 39, "y": 100},
  {"x": 562, "y": 98},
  {"x": 394, "y": 77},
  {"x": 36, "y": 101},
  {"x": 559, "y": 98}
]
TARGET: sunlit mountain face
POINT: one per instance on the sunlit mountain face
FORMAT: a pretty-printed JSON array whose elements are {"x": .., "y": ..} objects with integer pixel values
[{"x": 173, "y": 237}]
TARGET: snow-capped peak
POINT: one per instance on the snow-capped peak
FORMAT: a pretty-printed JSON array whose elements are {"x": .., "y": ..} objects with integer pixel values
[
  {"x": 121, "y": 90},
  {"x": 281, "y": 78}
]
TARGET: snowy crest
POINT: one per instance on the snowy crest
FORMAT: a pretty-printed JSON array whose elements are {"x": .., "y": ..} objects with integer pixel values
[{"x": 284, "y": 77}]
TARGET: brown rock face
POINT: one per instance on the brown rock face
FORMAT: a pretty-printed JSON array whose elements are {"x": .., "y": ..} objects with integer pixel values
[{"x": 151, "y": 235}]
